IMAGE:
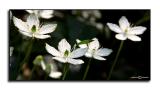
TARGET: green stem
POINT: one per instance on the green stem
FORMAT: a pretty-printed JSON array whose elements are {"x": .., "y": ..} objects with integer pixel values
[
  {"x": 25, "y": 60},
  {"x": 34, "y": 67},
  {"x": 115, "y": 60},
  {"x": 65, "y": 70},
  {"x": 46, "y": 76},
  {"x": 85, "y": 74}
]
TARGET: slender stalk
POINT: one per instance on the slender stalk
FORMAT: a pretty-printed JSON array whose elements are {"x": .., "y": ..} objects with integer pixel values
[
  {"x": 34, "y": 67},
  {"x": 65, "y": 70},
  {"x": 85, "y": 74},
  {"x": 46, "y": 76},
  {"x": 25, "y": 60},
  {"x": 115, "y": 60}
]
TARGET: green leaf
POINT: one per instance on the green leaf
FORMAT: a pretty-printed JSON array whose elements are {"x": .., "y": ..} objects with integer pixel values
[{"x": 85, "y": 42}]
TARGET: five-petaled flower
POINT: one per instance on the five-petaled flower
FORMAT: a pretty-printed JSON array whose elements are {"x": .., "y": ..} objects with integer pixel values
[
  {"x": 32, "y": 28},
  {"x": 65, "y": 55},
  {"x": 94, "y": 50},
  {"x": 46, "y": 14},
  {"x": 125, "y": 30}
]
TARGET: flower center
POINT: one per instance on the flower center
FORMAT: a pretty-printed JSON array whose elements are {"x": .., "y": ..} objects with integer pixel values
[
  {"x": 66, "y": 53},
  {"x": 93, "y": 51},
  {"x": 126, "y": 30},
  {"x": 33, "y": 29}
]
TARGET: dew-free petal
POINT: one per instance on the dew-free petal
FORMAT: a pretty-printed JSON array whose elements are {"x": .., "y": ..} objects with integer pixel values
[
  {"x": 137, "y": 30},
  {"x": 32, "y": 19},
  {"x": 42, "y": 36},
  {"x": 98, "y": 57},
  {"x": 114, "y": 27},
  {"x": 78, "y": 52},
  {"x": 94, "y": 44},
  {"x": 75, "y": 61},
  {"x": 60, "y": 59},
  {"x": 134, "y": 38},
  {"x": 121, "y": 36},
  {"x": 123, "y": 23},
  {"x": 48, "y": 28},
  {"x": 64, "y": 45},
  {"x": 52, "y": 50},
  {"x": 103, "y": 52},
  {"x": 20, "y": 24}
]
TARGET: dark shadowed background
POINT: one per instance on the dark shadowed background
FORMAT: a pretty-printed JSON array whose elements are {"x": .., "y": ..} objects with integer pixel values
[{"x": 134, "y": 59}]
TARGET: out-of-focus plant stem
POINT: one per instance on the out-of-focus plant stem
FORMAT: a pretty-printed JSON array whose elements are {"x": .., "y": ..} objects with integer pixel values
[
  {"x": 34, "y": 67},
  {"x": 115, "y": 60},
  {"x": 65, "y": 70},
  {"x": 46, "y": 76},
  {"x": 26, "y": 58},
  {"x": 145, "y": 18},
  {"x": 87, "y": 68}
]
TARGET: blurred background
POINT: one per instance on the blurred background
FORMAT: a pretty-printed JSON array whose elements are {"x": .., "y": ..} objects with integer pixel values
[{"x": 134, "y": 59}]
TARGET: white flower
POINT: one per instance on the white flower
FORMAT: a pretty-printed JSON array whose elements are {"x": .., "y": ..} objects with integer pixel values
[
  {"x": 94, "y": 50},
  {"x": 32, "y": 28},
  {"x": 125, "y": 30},
  {"x": 53, "y": 69},
  {"x": 47, "y": 14},
  {"x": 65, "y": 55}
]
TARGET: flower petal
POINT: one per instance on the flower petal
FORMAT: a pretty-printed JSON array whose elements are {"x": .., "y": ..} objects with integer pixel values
[
  {"x": 42, "y": 36},
  {"x": 103, "y": 52},
  {"x": 20, "y": 24},
  {"x": 55, "y": 74},
  {"x": 121, "y": 36},
  {"x": 134, "y": 38},
  {"x": 46, "y": 13},
  {"x": 114, "y": 27},
  {"x": 29, "y": 34},
  {"x": 32, "y": 19},
  {"x": 52, "y": 50},
  {"x": 75, "y": 61},
  {"x": 78, "y": 52},
  {"x": 98, "y": 57},
  {"x": 63, "y": 46},
  {"x": 123, "y": 23},
  {"x": 88, "y": 54},
  {"x": 94, "y": 44},
  {"x": 60, "y": 59},
  {"x": 137, "y": 30},
  {"x": 47, "y": 28}
]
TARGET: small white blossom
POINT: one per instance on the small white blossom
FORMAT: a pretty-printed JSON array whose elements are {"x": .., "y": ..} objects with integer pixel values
[
  {"x": 32, "y": 28},
  {"x": 46, "y": 14},
  {"x": 125, "y": 30},
  {"x": 53, "y": 70},
  {"x": 47, "y": 65},
  {"x": 65, "y": 55},
  {"x": 94, "y": 50}
]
